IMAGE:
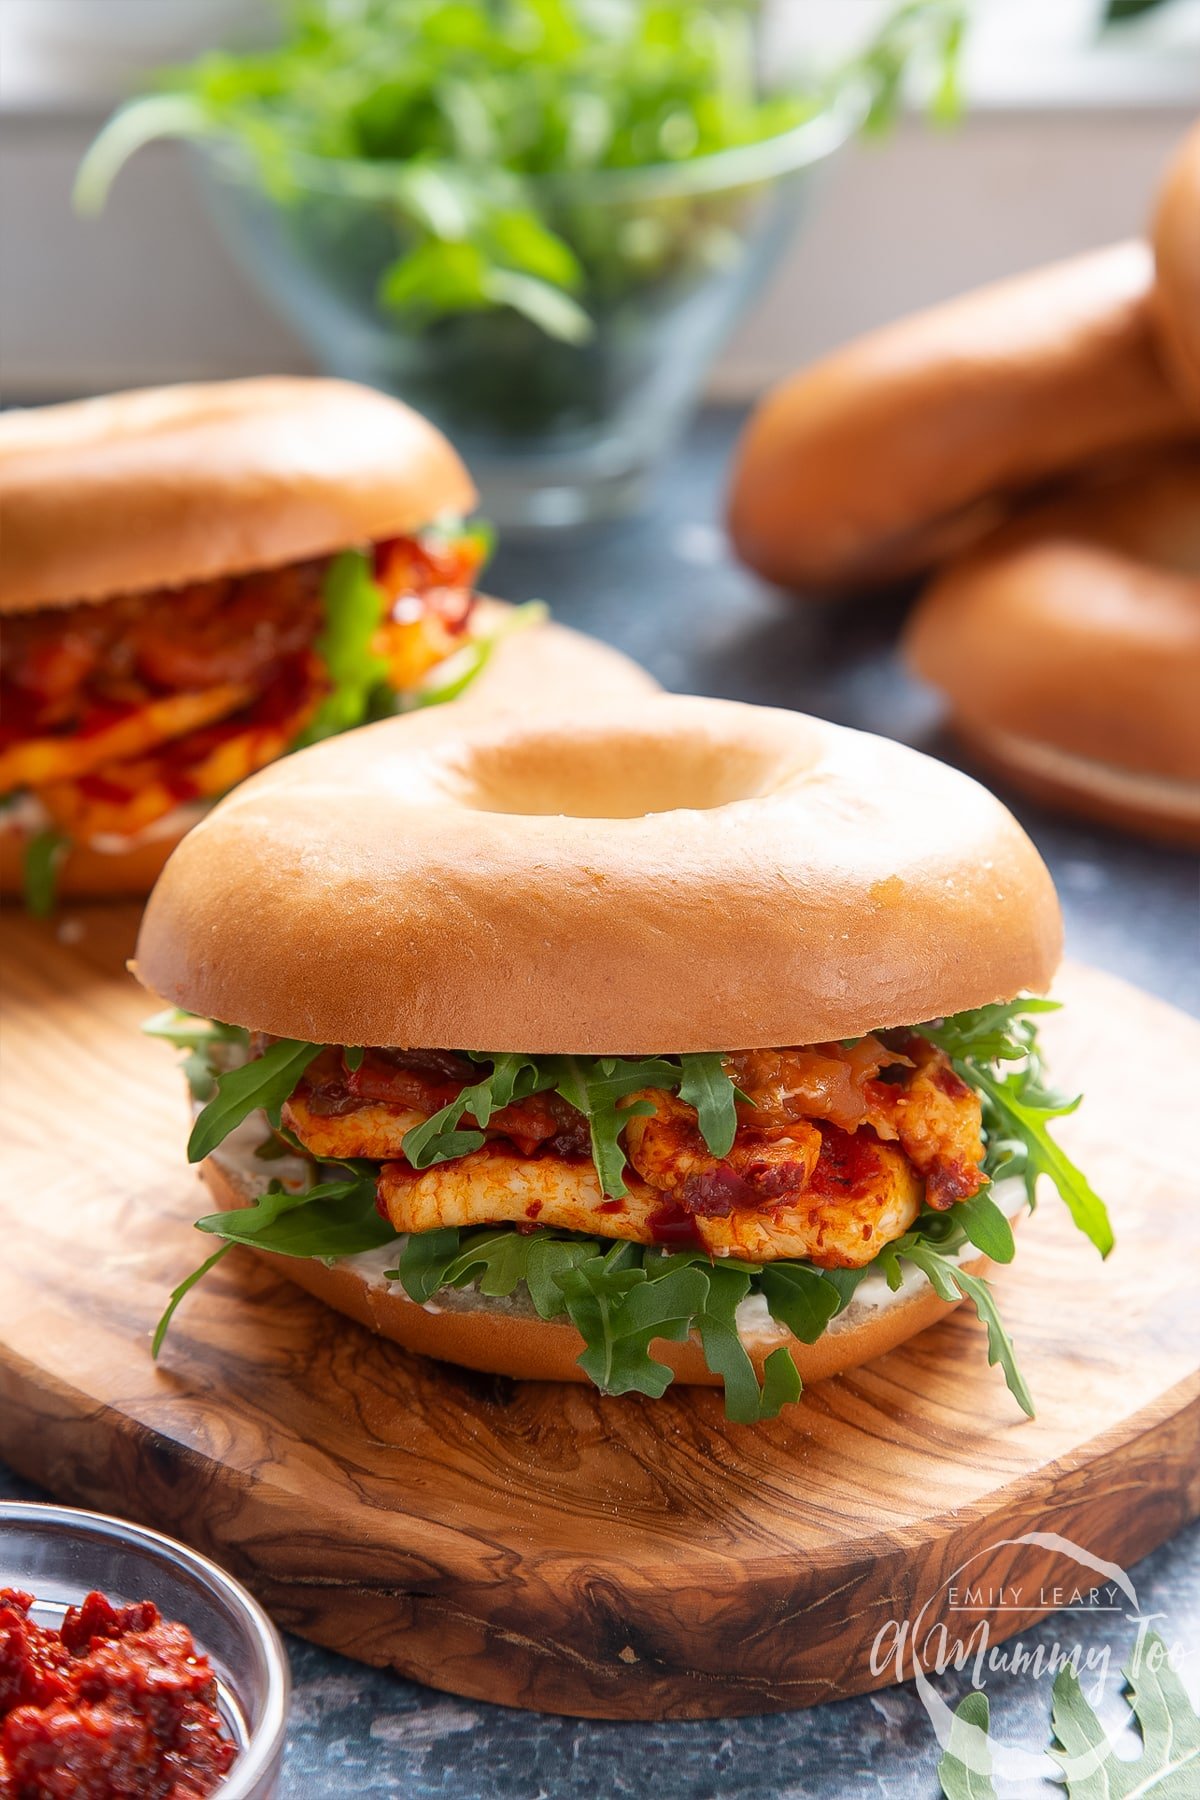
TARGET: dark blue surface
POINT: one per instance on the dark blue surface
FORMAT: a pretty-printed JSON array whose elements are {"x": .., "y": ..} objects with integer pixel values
[{"x": 664, "y": 589}]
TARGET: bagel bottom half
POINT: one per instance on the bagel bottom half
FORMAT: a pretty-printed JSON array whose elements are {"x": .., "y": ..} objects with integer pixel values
[
  {"x": 1156, "y": 807},
  {"x": 506, "y": 1336}
]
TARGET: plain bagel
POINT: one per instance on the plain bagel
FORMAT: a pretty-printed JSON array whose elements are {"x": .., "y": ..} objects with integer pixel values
[
  {"x": 689, "y": 874},
  {"x": 528, "y": 662},
  {"x": 909, "y": 444},
  {"x": 1176, "y": 235},
  {"x": 1068, "y": 649}
]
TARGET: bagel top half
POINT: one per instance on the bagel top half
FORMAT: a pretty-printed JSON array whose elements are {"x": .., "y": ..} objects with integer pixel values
[
  {"x": 685, "y": 875},
  {"x": 167, "y": 486}
]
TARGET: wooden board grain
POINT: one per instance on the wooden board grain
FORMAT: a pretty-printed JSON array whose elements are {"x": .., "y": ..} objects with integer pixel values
[{"x": 542, "y": 1546}]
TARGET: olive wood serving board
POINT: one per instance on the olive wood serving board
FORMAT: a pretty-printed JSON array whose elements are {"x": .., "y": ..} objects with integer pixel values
[{"x": 540, "y": 1545}]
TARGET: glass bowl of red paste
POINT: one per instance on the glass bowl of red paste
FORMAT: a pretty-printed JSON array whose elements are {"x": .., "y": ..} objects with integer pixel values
[{"x": 173, "y": 1639}]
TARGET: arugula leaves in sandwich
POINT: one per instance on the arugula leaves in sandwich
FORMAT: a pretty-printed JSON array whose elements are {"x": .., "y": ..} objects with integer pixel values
[{"x": 621, "y": 1295}]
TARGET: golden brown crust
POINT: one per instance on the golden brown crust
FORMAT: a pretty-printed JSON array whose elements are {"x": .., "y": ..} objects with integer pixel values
[
  {"x": 680, "y": 876},
  {"x": 507, "y": 1338},
  {"x": 1068, "y": 647},
  {"x": 1176, "y": 235},
  {"x": 907, "y": 445},
  {"x": 170, "y": 485}
]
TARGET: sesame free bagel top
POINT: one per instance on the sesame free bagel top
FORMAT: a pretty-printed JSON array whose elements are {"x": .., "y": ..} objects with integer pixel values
[
  {"x": 685, "y": 875},
  {"x": 165, "y": 486}
]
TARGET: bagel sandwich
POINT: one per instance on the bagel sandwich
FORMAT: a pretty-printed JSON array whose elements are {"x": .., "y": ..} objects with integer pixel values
[
  {"x": 196, "y": 579},
  {"x": 695, "y": 1042},
  {"x": 1085, "y": 614}
]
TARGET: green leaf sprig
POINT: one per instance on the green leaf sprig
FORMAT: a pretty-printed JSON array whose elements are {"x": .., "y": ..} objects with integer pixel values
[
  {"x": 202, "y": 1040},
  {"x": 599, "y": 1087},
  {"x": 40, "y": 865},
  {"x": 964, "y": 1776},
  {"x": 1167, "y": 1766},
  {"x": 1017, "y": 1107},
  {"x": 621, "y": 1297},
  {"x": 264, "y": 1082},
  {"x": 456, "y": 674},
  {"x": 327, "y": 1219},
  {"x": 353, "y": 604}
]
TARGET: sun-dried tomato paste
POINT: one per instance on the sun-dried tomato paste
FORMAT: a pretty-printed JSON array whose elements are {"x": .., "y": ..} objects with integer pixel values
[{"x": 116, "y": 1704}]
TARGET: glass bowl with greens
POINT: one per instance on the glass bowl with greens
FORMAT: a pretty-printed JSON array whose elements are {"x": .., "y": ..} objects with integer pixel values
[{"x": 535, "y": 220}]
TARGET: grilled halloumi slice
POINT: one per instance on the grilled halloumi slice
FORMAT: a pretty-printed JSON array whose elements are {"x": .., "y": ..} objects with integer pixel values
[
  {"x": 374, "y": 1129},
  {"x": 496, "y": 1185},
  {"x": 124, "y": 798},
  {"x": 36, "y": 762}
]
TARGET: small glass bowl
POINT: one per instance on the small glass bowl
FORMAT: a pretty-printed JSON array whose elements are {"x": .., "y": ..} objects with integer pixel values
[
  {"x": 555, "y": 433},
  {"x": 60, "y": 1554}
]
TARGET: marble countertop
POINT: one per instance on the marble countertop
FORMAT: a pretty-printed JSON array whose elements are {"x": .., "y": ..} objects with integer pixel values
[{"x": 663, "y": 588}]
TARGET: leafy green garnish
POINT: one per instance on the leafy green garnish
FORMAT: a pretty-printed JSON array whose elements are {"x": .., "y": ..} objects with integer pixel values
[
  {"x": 266, "y": 1082},
  {"x": 959, "y": 1773},
  {"x": 620, "y": 1297},
  {"x": 359, "y": 686},
  {"x": 1168, "y": 1767},
  {"x": 457, "y": 673},
  {"x": 354, "y": 606},
  {"x": 180, "y": 1293},
  {"x": 472, "y": 123},
  {"x": 985, "y": 1226},
  {"x": 597, "y": 1086},
  {"x": 438, "y": 1139},
  {"x": 799, "y": 1296},
  {"x": 42, "y": 860},
  {"x": 331, "y": 1218},
  {"x": 618, "y": 1312},
  {"x": 952, "y": 1282},
  {"x": 623, "y": 1296},
  {"x": 189, "y": 1032},
  {"x": 199, "y": 1037},
  {"x": 921, "y": 33},
  {"x": 328, "y": 1219},
  {"x": 707, "y": 1087},
  {"x": 1116, "y": 12},
  {"x": 1017, "y": 1107}
]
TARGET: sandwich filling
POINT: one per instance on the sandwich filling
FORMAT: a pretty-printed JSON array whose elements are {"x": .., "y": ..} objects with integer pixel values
[
  {"x": 649, "y": 1197},
  {"x": 835, "y": 1150},
  {"x": 116, "y": 713}
]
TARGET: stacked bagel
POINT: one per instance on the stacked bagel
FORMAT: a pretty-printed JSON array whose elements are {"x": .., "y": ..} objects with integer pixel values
[{"x": 1037, "y": 445}]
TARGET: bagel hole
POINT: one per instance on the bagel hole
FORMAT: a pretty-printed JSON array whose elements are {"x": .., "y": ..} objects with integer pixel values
[{"x": 622, "y": 776}]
